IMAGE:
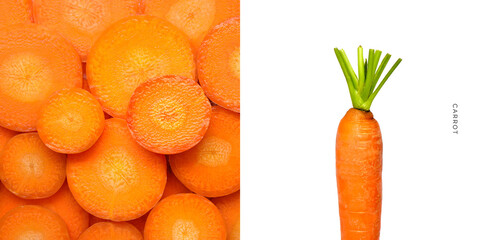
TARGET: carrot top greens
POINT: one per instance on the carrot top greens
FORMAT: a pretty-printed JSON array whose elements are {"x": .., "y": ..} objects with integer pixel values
[{"x": 362, "y": 88}]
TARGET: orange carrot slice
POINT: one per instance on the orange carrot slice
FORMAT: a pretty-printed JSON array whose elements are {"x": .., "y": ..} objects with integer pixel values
[
  {"x": 185, "y": 216},
  {"x": 82, "y": 22},
  {"x": 116, "y": 179},
  {"x": 71, "y": 121},
  {"x": 62, "y": 203},
  {"x": 212, "y": 168},
  {"x": 229, "y": 206},
  {"x": 32, "y": 222},
  {"x": 139, "y": 223},
  {"x": 169, "y": 114},
  {"x": 34, "y": 63},
  {"x": 15, "y": 11},
  {"x": 29, "y": 169},
  {"x": 194, "y": 18},
  {"x": 111, "y": 231},
  {"x": 219, "y": 64},
  {"x": 129, "y": 53}
]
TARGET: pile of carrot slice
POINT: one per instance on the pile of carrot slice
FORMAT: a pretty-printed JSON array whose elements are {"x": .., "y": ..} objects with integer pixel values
[{"x": 119, "y": 119}]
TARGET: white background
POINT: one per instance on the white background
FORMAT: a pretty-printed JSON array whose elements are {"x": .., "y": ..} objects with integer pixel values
[{"x": 294, "y": 95}]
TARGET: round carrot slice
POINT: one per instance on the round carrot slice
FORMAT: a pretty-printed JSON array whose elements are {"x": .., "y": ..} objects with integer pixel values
[
  {"x": 219, "y": 64},
  {"x": 32, "y": 222},
  {"x": 194, "y": 18},
  {"x": 139, "y": 223},
  {"x": 15, "y": 11},
  {"x": 71, "y": 121},
  {"x": 62, "y": 203},
  {"x": 129, "y": 53},
  {"x": 82, "y": 22},
  {"x": 29, "y": 169},
  {"x": 185, "y": 216},
  {"x": 169, "y": 114},
  {"x": 34, "y": 64},
  {"x": 111, "y": 231},
  {"x": 229, "y": 206},
  {"x": 116, "y": 179},
  {"x": 212, "y": 167}
]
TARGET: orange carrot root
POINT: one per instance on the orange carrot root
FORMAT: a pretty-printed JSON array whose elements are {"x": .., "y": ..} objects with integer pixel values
[{"x": 359, "y": 175}]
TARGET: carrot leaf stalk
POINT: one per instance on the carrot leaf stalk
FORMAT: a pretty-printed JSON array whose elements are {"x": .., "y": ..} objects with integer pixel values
[{"x": 363, "y": 89}]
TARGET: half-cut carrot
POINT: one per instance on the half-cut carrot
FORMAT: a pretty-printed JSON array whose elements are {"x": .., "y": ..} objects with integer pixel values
[
  {"x": 219, "y": 64},
  {"x": 15, "y": 11},
  {"x": 111, "y": 231},
  {"x": 116, "y": 179},
  {"x": 229, "y": 206},
  {"x": 185, "y": 216},
  {"x": 131, "y": 52},
  {"x": 32, "y": 222},
  {"x": 212, "y": 167},
  {"x": 194, "y": 18},
  {"x": 34, "y": 63},
  {"x": 82, "y": 22},
  {"x": 71, "y": 121},
  {"x": 29, "y": 169},
  {"x": 169, "y": 114}
]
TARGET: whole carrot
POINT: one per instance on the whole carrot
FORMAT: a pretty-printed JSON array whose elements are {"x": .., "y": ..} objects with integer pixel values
[{"x": 359, "y": 149}]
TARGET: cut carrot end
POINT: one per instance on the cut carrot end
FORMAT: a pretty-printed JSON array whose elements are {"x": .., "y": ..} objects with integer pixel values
[
  {"x": 116, "y": 179},
  {"x": 229, "y": 206},
  {"x": 168, "y": 115},
  {"x": 111, "y": 231},
  {"x": 36, "y": 62},
  {"x": 185, "y": 216},
  {"x": 34, "y": 221},
  {"x": 29, "y": 169},
  {"x": 82, "y": 22},
  {"x": 219, "y": 64},
  {"x": 212, "y": 167},
  {"x": 71, "y": 121},
  {"x": 150, "y": 48}
]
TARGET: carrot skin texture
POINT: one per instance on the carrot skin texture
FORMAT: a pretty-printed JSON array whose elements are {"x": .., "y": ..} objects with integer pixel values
[{"x": 359, "y": 175}]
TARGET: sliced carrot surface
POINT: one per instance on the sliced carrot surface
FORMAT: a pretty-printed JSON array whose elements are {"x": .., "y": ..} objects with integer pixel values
[
  {"x": 82, "y": 22},
  {"x": 131, "y": 52},
  {"x": 116, "y": 179},
  {"x": 111, "y": 231},
  {"x": 32, "y": 222},
  {"x": 174, "y": 186},
  {"x": 185, "y": 216},
  {"x": 229, "y": 206},
  {"x": 62, "y": 203},
  {"x": 139, "y": 223},
  {"x": 15, "y": 11},
  {"x": 169, "y": 114},
  {"x": 29, "y": 169},
  {"x": 71, "y": 121},
  {"x": 34, "y": 63},
  {"x": 212, "y": 167},
  {"x": 195, "y": 17},
  {"x": 218, "y": 64}
]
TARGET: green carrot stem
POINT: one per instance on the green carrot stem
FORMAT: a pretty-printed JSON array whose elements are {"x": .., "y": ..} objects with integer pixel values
[
  {"x": 350, "y": 70},
  {"x": 364, "y": 89},
  {"x": 379, "y": 71},
  {"x": 361, "y": 69}
]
